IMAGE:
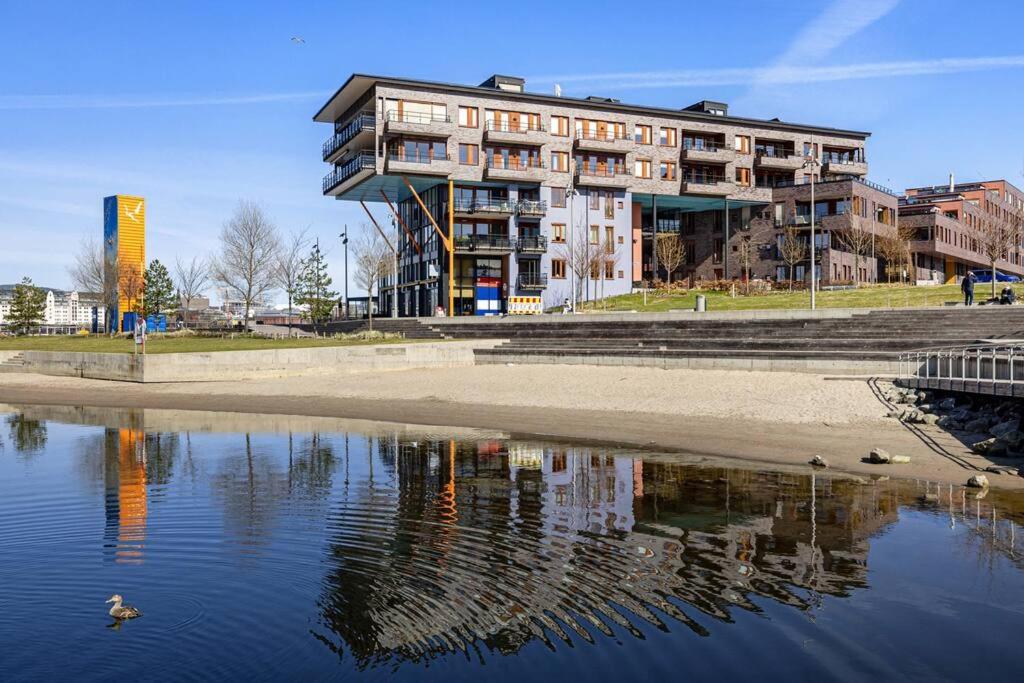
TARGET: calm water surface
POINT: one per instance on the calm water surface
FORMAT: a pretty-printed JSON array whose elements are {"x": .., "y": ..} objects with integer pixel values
[{"x": 283, "y": 548}]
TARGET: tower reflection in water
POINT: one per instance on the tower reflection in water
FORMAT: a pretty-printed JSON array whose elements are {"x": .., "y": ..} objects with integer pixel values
[
  {"x": 126, "y": 506},
  {"x": 490, "y": 545}
]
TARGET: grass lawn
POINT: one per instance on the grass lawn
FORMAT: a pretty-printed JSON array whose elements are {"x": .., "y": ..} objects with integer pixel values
[
  {"x": 159, "y": 344},
  {"x": 865, "y": 297}
]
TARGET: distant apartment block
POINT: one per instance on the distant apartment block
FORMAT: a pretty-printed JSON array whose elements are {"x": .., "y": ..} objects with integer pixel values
[
  {"x": 498, "y": 191},
  {"x": 63, "y": 308},
  {"x": 951, "y": 223}
]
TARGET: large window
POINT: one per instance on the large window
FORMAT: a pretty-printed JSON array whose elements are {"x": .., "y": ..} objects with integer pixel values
[
  {"x": 642, "y": 135},
  {"x": 667, "y": 137},
  {"x": 743, "y": 176},
  {"x": 469, "y": 117},
  {"x": 469, "y": 155},
  {"x": 742, "y": 144},
  {"x": 609, "y": 239},
  {"x": 558, "y": 268},
  {"x": 560, "y": 161},
  {"x": 558, "y": 233},
  {"x": 642, "y": 168},
  {"x": 557, "y": 196},
  {"x": 667, "y": 170},
  {"x": 420, "y": 151},
  {"x": 560, "y": 125},
  {"x": 595, "y": 234}
]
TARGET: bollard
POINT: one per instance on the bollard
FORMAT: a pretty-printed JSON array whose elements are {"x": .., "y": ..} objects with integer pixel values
[{"x": 702, "y": 304}]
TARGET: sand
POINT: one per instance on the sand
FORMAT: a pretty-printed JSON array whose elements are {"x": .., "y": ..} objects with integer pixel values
[{"x": 771, "y": 417}]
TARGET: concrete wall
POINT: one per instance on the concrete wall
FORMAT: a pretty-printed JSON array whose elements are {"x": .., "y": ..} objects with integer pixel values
[{"x": 123, "y": 367}]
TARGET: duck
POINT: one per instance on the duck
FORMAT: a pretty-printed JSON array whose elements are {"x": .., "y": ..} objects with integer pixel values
[{"x": 119, "y": 611}]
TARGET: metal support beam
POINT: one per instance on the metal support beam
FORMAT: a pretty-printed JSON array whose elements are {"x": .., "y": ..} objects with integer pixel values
[
  {"x": 451, "y": 253},
  {"x": 447, "y": 243},
  {"x": 398, "y": 217},
  {"x": 394, "y": 255},
  {"x": 382, "y": 233}
]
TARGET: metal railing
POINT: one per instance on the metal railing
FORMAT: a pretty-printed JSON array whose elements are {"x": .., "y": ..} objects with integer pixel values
[
  {"x": 602, "y": 171},
  {"x": 514, "y": 164},
  {"x": 348, "y": 168},
  {"x": 842, "y": 158},
  {"x": 608, "y": 136},
  {"x": 703, "y": 178},
  {"x": 991, "y": 365},
  {"x": 416, "y": 117},
  {"x": 417, "y": 158},
  {"x": 484, "y": 205},
  {"x": 532, "y": 281},
  {"x": 531, "y": 207},
  {"x": 483, "y": 243},
  {"x": 703, "y": 145},
  {"x": 774, "y": 153},
  {"x": 506, "y": 127},
  {"x": 532, "y": 243},
  {"x": 358, "y": 124}
]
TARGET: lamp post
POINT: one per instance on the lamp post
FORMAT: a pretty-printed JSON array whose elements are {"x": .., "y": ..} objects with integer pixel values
[
  {"x": 344, "y": 243},
  {"x": 570, "y": 192},
  {"x": 811, "y": 162}
]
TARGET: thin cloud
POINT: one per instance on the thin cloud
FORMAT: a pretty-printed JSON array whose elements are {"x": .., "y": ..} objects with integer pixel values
[
  {"x": 144, "y": 101},
  {"x": 781, "y": 74}
]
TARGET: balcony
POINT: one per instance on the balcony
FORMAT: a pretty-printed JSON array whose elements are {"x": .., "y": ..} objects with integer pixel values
[
  {"x": 495, "y": 131},
  {"x": 531, "y": 208},
  {"x": 603, "y": 142},
  {"x": 337, "y": 142},
  {"x": 514, "y": 169},
  {"x": 532, "y": 281},
  {"x": 483, "y": 244},
  {"x": 707, "y": 150},
  {"x": 603, "y": 176},
  {"x": 783, "y": 159},
  {"x": 360, "y": 166},
  {"x": 491, "y": 207},
  {"x": 420, "y": 164},
  {"x": 707, "y": 184},
  {"x": 415, "y": 123},
  {"x": 843, "y": 163},
  {"x": 535, "y": 244}
]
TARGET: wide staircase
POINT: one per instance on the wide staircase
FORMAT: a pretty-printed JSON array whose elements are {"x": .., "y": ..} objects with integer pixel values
[{"x": 869, "y": 337}]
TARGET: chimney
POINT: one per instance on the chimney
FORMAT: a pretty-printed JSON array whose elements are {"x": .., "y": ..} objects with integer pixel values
[{"x": 952, "y": 185}]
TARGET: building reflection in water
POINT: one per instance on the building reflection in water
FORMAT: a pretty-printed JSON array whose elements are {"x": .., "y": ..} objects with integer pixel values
[
  {"x": 493, "y": 545},
  {"x": 126, "y": 506}
]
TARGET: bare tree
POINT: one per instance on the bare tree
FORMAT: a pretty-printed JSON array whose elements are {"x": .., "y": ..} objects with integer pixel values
[
  {"x": 892, "y": 249},
  {"x": 610, "y": 257},
  {"x": 288, "y": 266},
  {"x": 190, "y": 278},
  {"x": 996, "y": 236},
  {"x": 89, "y": 273},
  {"x": 373, "y": 262},
  {"x": 856, "y": 239},
  {"x": 793, "y": 249},
  {"x": 131, "y": 284},
  {"x": 248, "y": 251},
  {"x": 580, "y": 256},
  {"x": 671, "y": 253}
]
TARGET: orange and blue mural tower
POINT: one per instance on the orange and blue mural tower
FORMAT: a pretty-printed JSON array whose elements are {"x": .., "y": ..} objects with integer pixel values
[{"x": 124, "y": 244}]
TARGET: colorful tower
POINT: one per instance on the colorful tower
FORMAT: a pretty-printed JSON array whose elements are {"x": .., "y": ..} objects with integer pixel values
[{"x": 124, "y": 239}]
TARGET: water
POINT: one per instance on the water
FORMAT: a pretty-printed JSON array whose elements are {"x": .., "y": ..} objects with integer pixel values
[{"x": 264, "y": 547}]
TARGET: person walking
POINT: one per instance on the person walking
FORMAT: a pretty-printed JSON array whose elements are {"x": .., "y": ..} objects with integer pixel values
[{"x": 967, "y": 287}]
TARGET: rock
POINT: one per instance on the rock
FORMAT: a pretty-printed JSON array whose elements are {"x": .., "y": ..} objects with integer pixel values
[
  {"x": 977, "y": 425},
  {"x": 925, "y": 408},
  {"x": 983, "y": 446},
  {"x": 879, "y": 456},
  {"x": 1004, "y": 428},
  {"x": 896, "y": 414},
  {"x": 947, "y": 422},
  {"x": 978, "y": 481},
  {"x": 818, "y": 461},
  {"x": 1011, "y": 439},
  {"x": 930, "y": 419},
  {"x": 947, "y": 404},
  {"x": 1002, "y": 469},
  {"x": 961, "y": 414},
  {"x": 899, "y": 459}
]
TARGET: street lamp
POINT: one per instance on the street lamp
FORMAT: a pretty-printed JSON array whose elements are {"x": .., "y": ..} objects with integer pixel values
[
  {"x": 344, "y": 243},
  {"x": 811, "y": 162},
  {"x": 571, "y": 193}
]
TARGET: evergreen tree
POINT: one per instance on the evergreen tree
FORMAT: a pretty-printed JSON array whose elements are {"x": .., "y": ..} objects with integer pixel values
[
  {"x": 159, "y": 289},
  {"x": 314, "y": 290},
  {"x": 28, "y": 307}
]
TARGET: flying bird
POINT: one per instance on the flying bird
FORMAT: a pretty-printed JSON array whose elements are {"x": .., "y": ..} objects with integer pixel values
[{"x": 298, "y": 40}]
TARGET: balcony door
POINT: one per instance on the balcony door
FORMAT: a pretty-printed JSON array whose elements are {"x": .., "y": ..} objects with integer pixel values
[
  {"x": 602, "y": 130},
  {"x": 513, "y": 121}
]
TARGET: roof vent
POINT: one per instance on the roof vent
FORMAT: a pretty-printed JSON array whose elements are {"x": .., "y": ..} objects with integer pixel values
[
  {"x": 506, "y": 83},
  {"x": 607, "y": 100},
  {"x": 709, "y": 107}
]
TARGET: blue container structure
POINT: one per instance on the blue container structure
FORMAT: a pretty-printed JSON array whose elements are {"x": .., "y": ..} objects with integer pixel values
[
  {"x": 156, "y": 323},
  {"x": 128, "y": 322}
]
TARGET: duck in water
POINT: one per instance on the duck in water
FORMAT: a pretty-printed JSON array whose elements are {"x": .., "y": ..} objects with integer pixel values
[{"x": 119, "y": 611}]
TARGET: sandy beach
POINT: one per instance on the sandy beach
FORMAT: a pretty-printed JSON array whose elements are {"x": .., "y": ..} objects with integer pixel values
[{"x": 779, "y": 418}]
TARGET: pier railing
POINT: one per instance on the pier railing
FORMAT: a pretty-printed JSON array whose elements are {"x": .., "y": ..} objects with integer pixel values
[{"x": 981, "y": 368}]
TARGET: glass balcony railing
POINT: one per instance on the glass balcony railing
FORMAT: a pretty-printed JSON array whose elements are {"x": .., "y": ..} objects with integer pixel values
[
  {"x": 416, "y": 157},
  {"x": 532, "y": 280},
  {"x": 703, "y": 178},
  {"x": 606, "y": 136},
  {"x": 485, "y": 205},
  {"x": 774, "y": 152},
  {"x": 342, "y": 137},
  {"x": 703, "y": 145},
  {"x": 602, "y": 171},
  {"x": 483, "y": 243},
  {"x": 842, "y": 158},
  {"x": 507, "y": 127},
  {"x": 531, "y": 207},
  {"x": 532, "y": 243},
  {"x": 360, "y": 161},
  {"x": 416, "y": 117},
  {"x": 514, "y": 163}
]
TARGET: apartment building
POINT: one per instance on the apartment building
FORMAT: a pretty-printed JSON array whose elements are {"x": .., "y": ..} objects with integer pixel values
[
  {"x": 500, "y": 192},
  {"x": 63, "y": 308},
  {"x": 954, "y": 224}
]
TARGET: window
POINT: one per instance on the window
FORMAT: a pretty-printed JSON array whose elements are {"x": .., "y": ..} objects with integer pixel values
[
  {"x": 558, "y": 233},
  {"x": 668, "y": 137},
  {"x": 743, "y": 144},
  {"x": 609, "y": 239},
  {"x": 621, "y": 275},
  {"x": 560, "y": 161},
  {"x": 743, "y": 176},
  {"x": 558, "y": 197},
  {"x": 560, "y": 125},
  {"x": 469, "y": 155},
  {"x": 593, "y": 199},
  {"x": 642, "y": 135},
  {"x": 609, "y": 270},
  {"x": 667, "y": 170},
  {"x": 609, "y": 204},
  {"x": 558, "y": 268},
  {"x": 469, "y": 117},
  {"x": 595, "y": 234},
  {"x": 642, "y": 168}
]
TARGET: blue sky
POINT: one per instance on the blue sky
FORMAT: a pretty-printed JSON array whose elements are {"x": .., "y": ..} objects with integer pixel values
[{"x": 196, "y": 105}]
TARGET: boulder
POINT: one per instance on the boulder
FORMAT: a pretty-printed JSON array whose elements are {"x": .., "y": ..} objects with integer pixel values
[
  {"x": 978, "y": 481},
  {"x": 899, "y": 459},
  {"x": 983, "y": 446},
  {"x": 947, "y": 404},
  {"x": 879, "y": 456},
  {"x": 818, "y": 461},
  {"x": 1011, "y": 439},
  {"x": 947, "y": 422},
  {"x": 926, "y": 408},
  {"x": 930, "y": 419},
  {"x": 1007, "y": 427},
  {"x": 977, "y": 425}
]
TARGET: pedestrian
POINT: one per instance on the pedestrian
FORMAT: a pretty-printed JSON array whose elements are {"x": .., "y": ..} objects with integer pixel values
[
  {"x": 565, "y": 307},
  {"x": 967, "y": 287},
  {"x": 1007, "y": 296},
  {"x": 140, "y": 334}
]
